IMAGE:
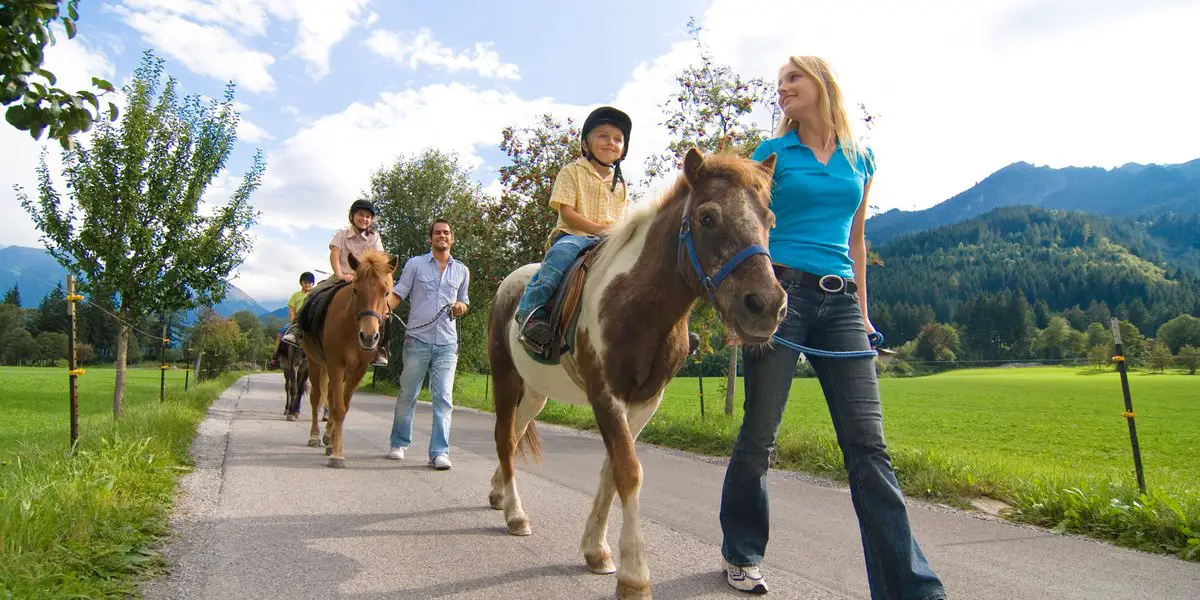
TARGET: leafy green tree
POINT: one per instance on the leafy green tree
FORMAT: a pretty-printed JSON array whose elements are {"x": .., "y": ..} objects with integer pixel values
[
  {"x": 710, "y": 110},
  {"x": 133, "y": 232},
  {"x": 51, "y": 346},
  {"x": 538, "y": 152},
  {"x": 13, "y": 296},
  {"x": 1160, "y": 357},
  {"x": 34, "y": 103},
  {"x": 52, "y": 311},
  {"x": 410, "y": 194},
  {"x": 1181, "y": 331},
  {"x": 1189, "y": 358}
]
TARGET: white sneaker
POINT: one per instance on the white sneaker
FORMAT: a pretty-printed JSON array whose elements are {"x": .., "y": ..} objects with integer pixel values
[
  {"x": 396, "y": 454},
  {"x": 745, "y": 579},
  {"x": 441, "y": 462},
  {"x": 290, "y": 338}
]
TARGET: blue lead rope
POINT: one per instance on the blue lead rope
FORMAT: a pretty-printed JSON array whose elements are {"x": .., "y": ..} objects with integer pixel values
[{"x": 875, "y": 338}]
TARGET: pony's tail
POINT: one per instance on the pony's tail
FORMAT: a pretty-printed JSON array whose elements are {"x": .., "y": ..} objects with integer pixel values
[{"x": 530, "y": 445}]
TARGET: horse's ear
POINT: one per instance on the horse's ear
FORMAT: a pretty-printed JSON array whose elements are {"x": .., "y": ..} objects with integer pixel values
[
  {"x": 692, "y": 163},
  {"x": 394, "y": 263},
  {"x": 350, "y": 258},
  {"x": 768, "y": 164}
]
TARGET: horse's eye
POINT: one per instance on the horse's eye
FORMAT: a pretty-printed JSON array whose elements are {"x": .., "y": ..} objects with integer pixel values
[{"x": 706, "y": 220}]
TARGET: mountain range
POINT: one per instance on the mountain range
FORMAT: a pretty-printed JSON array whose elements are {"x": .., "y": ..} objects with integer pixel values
[
  {"x": 36, "y": 273},
  {"x": 1127, "y": 238},
  {"x": 1133, "y": 190}
]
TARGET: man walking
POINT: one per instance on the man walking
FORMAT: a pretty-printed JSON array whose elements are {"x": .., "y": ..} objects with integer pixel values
[{"x": 435, "y": 286}]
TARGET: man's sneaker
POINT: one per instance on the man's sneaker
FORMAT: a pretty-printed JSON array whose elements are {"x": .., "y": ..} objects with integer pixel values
[
  {"x": 745, "y": 579},
  {"x": 381, "y": 358},
  {"x": 396, "y": 454},
  {"x": 440, "y": 462}
]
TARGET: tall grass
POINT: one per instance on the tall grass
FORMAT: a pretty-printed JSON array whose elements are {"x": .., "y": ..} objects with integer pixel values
[
  {"x": 85, "y": 525},
  {"x": 1050, "y": 442}
]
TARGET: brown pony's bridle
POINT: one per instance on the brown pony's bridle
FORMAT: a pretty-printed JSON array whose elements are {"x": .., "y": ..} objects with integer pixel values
[{"x": 360, "y": 315}]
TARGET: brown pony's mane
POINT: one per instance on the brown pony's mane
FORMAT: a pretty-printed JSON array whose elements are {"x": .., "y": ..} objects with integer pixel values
[
  {"x": 372, "y": 264},
  {"x": 725, "y": 165}
]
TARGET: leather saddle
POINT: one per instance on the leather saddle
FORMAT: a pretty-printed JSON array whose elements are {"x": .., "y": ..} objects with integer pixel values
[{"x": 564, "y": 309}]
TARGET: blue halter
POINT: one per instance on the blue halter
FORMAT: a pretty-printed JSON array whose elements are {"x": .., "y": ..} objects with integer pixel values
[{"x": 686, "y": 244}]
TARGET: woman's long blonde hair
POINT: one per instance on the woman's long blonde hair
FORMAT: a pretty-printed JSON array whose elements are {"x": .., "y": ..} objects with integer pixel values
[{"x": 832, "y": 109}]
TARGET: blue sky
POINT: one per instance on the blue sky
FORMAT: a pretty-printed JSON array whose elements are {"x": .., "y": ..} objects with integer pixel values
[{"x": 331, "y": 90}]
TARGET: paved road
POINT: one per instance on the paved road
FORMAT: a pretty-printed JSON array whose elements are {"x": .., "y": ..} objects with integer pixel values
[{"x": 263, "y": 517}]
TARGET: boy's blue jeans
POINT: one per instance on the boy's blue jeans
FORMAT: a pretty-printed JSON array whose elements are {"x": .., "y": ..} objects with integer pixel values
[
  {"x": 558, "y": 259},
  {"x": 896, "y": 567}
]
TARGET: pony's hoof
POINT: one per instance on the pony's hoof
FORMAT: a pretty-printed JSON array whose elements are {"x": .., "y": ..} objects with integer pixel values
[
  {"x": 291, "y": 417},
  {"x": 633, "y": 590},
  {"x": 519, "y": 527},
  {"x": 328, "y": 450},
  {"x": 314, "y": 443},
  {"x": 337, "y": 463},
  {"x": 600, "y": 563},
  {"x": 496, "y": 501}
]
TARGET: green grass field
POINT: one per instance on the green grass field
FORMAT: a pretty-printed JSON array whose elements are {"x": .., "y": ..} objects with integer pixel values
[
  {"x": 84, "y": 526},
  {"x": 1050, "y": 441}
]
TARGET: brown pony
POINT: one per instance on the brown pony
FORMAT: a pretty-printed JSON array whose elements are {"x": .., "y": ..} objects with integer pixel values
[
  {"x": 345, "y": 346},
  {"x": 631, "y": 339},
  {"x": 295, "y": 375}
]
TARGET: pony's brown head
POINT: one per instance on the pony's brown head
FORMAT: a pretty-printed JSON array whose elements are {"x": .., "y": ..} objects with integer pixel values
[
  {"x": 373, "y": 279},
  {"x": 728, "y": 217}
]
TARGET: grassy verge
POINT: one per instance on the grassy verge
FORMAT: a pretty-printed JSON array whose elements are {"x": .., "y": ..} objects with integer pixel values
[
  {"x": 1048, "y": 441},
  {"x": 84, "y": 526}
]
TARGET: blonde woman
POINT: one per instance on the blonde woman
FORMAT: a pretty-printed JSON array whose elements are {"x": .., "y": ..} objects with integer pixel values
[{"x": 819, "y": 197}]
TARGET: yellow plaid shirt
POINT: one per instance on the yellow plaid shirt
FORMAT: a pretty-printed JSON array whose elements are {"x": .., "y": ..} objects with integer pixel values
[{"x": 579, "y": 186}]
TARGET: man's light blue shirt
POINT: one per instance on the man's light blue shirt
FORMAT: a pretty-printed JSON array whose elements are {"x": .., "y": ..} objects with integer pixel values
[{"x": 427, "y": 289}]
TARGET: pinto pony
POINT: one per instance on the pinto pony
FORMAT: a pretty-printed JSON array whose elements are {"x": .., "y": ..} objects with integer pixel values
[
  {"x": 706, "y": 237},
  {"x": 344, "y": 345}
]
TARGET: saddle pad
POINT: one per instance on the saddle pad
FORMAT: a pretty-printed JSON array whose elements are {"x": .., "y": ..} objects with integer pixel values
[{"x": 312, "y": 313}]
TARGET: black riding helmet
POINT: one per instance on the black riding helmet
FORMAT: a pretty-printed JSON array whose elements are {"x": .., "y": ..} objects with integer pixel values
[
  {"x": 607, "y": 115},
  {"x": 361, "y": 205}
]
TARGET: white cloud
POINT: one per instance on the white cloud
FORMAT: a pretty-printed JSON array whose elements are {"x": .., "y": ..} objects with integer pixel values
[
  {"x": 314, "y": 175},
  {"x": 205, "y": 49},
  {"x": 320, "y": 25},
  {"x": 414, "y": 50},
  {"x": 197, "y": 33},
  {"x": 251, "y": 133},
  {"x": 272, "y": 270},
  {"x": 248, "y": 16},
  {"x": 955, "y": 104}
]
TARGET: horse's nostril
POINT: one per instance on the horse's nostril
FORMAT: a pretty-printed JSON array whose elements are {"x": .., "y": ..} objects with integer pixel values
[{"x": 754, "y": 303}]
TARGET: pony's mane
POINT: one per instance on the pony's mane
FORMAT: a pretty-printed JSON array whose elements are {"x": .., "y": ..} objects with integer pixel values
[
  {"x": 373, "y": 263},
  {"x": 737, "y": 170}
]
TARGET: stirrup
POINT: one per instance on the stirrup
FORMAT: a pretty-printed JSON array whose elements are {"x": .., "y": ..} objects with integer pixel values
[{"x": 529, "y": 344}]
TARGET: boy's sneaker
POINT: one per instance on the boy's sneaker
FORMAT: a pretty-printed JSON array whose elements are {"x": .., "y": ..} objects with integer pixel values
[
  {"x": 396, "y": 453},
  {"x": 745, "y": 579},
  {"x": 290, "y": 338},
  {"x": 440, "y": 462},
  {"x": 537, "y": 330}
]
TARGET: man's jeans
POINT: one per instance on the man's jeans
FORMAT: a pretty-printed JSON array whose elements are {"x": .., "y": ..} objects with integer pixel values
[
  {"x": 896, "y": 567},
  {"x": 554, "y": 267},
  {"x": 440, "y": 361}
]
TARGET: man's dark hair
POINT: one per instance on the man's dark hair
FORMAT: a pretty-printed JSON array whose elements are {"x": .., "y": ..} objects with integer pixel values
[{"x": 434, "y": 224}]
